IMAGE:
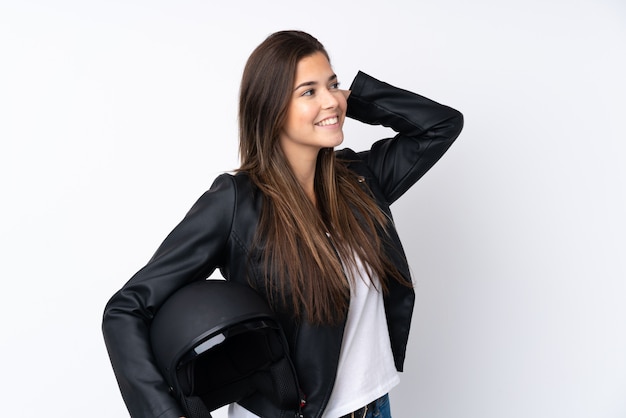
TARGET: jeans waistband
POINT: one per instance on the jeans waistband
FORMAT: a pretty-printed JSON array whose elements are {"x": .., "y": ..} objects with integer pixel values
[{"x": 362, "y": 412}]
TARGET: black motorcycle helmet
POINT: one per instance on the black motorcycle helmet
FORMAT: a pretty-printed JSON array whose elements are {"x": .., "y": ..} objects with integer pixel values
[{"x": 217, "y": 342}]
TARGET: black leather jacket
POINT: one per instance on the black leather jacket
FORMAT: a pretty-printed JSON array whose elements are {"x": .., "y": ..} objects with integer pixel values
[{"x": 218, "y": 232}]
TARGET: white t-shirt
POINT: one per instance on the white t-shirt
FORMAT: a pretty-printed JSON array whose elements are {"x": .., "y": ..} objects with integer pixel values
[{"x": 366, "y": 369}]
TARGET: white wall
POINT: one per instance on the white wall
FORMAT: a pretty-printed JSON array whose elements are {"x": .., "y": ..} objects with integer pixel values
[{"x": 116, "y": 115}]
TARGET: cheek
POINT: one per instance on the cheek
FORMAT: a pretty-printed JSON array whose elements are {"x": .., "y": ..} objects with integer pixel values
[
  {"x": 304, "y": 115},
  {"x": 294, "y": 118}
]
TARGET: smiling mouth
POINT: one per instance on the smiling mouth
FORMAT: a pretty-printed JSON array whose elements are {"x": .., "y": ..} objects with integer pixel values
[{"x": 328, "y": 121}]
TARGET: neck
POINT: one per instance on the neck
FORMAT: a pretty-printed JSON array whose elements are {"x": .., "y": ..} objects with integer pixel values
[
  {"x": 306, "y": 179},
  {"x": 303, "y": 167}
]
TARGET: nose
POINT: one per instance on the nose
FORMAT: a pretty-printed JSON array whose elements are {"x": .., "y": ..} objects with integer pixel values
[{"x": 329, "y": 100}]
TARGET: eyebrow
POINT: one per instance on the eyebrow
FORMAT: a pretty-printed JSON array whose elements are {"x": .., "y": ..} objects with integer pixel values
[{"x": 313, "y": 83}]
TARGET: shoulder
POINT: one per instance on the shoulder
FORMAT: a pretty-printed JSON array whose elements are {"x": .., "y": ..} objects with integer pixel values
[
  {"x": 355, "y": 161},
  {"x": 232, "y": 195},
  {"x": 228, "y": 186},
  {"x": 346, "y": 154}
]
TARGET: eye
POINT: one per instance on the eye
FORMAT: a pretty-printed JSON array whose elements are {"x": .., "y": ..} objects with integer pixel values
[
  {"x": 335, "y": 86},
  {"x": 309, "y": 92}
]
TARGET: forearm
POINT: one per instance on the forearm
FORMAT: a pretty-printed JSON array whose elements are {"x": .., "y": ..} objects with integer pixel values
[{"x": 375, "y": 102}]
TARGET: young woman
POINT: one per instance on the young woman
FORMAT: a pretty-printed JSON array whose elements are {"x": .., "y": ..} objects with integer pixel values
[{"x": 307, "y": 226}]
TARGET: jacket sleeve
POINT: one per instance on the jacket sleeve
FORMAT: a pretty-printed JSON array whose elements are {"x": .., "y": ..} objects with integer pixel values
[
  {"x": 426, "y": 129},
  {"x": 190, "y": 252}
]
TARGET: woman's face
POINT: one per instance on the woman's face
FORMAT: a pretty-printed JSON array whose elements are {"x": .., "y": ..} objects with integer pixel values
[{"x": 316, "y": 112}]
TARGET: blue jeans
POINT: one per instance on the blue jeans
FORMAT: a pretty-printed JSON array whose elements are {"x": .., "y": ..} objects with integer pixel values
[{"x": 381, "y": 408}]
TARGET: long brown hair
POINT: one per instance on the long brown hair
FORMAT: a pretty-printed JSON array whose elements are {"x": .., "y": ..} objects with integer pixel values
[{"x": 304, "y": 245}]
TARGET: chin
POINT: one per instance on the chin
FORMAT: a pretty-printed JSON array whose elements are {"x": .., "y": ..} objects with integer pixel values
[{"x": 337, "y": 141}]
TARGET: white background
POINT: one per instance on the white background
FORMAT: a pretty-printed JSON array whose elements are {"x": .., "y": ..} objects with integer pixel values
[{"x": 116, "y": 115}]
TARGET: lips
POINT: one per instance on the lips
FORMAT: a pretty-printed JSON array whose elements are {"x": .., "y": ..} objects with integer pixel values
[{"x": 328, "y": 121}]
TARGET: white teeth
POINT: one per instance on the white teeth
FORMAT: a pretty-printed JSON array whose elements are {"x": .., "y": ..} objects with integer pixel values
[{"x": 329, "y": 121}]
